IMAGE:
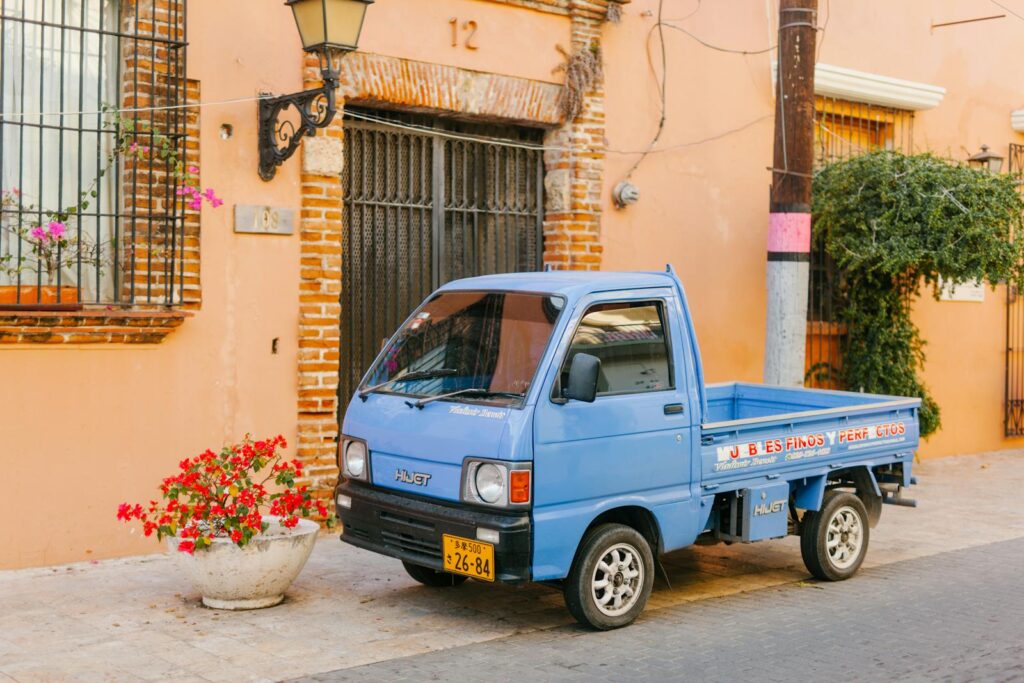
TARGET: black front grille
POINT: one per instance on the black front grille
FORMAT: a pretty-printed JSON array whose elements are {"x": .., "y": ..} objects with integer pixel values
[
  {"x": 357, "y": 532},
  {"x": 386, "y": 516},
  {"x": 408, "y": 543}
]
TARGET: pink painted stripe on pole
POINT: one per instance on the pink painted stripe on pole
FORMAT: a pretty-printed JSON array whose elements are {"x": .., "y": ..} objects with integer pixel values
[{"x": 789, "y": 232}]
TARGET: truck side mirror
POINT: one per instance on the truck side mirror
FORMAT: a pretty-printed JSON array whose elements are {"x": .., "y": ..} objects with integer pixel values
[{"x": 583, "y": 375}]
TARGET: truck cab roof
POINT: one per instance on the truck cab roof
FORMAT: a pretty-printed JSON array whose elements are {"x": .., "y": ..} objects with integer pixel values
[{"x": 569, "y": 283}]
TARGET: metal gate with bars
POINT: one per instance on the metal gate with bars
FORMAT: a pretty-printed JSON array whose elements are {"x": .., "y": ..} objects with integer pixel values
[
  {"x": 1014, "y": 392},
  {"x": 426, "y": 201}
]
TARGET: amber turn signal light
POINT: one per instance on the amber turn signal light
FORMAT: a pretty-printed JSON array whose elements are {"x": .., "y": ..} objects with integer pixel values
[{"x": 519, "y": 486}]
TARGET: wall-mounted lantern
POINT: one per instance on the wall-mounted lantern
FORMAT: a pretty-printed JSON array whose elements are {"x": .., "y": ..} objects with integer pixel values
[
  {"x": 986, "y": 160},
  {"x": 326, "y": 27}
]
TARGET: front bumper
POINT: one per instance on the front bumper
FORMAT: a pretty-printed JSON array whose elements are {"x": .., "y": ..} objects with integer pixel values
[{"x": 410, "y": 529}]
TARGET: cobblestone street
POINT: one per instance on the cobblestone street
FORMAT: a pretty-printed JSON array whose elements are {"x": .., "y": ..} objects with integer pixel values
[
  {"x": 954, "y": 616},
  {"x": 924, "y": 604}
]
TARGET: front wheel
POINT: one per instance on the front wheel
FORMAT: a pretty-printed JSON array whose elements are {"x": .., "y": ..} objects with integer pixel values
[
  {"x": 834, "y": 539},
  {"x": 432, "y": 577},
  {"x": 611, "y": 577}
]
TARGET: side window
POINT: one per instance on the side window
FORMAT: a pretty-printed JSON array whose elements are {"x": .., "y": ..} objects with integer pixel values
[{"x": 630, "y": 340}]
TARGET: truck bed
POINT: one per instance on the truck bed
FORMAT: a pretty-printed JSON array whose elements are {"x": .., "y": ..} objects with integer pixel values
[{"x": 752, "y": 432}]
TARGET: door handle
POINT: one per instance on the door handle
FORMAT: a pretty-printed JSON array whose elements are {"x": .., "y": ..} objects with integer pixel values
[{"x": 673, "y": 408}]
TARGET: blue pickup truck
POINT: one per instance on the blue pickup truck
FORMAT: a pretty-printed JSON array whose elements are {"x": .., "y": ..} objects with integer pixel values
[{"x": 555, "y": 427}]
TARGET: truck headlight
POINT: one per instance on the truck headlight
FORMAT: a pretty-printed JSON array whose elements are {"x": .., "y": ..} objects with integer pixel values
[
  {"x": 354, "y": 460},
  {"x": 490, "y": 482},
  {"x": 498, "y": 484}
]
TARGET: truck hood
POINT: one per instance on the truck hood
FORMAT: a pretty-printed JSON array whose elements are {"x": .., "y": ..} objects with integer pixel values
[{"x": 421, "y": 451}]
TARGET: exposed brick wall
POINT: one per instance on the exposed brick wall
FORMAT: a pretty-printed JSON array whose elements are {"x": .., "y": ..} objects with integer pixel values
[
  {"x": 421, "y": 86},
  {"x": 574, "y": 171},
  {"x": 552, "y": 6},
  {"x": 188, "y": 252},
  {"x": 155, "y": 218},
  {"x": 319, "y": 313},
  {"x": 89, "y": 327}
]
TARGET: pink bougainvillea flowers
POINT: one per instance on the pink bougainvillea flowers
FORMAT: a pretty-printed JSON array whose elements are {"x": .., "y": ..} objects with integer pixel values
[
  {"x": 212, "y": 197},
  {"x": 54, "y": 230}
]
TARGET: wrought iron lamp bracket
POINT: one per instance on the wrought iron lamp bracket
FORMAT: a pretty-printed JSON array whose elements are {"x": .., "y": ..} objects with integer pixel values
[{"x": 278, "y": 140}]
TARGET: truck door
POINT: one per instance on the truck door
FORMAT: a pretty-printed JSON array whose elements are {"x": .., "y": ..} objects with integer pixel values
[{"x": 631, "y": 446}]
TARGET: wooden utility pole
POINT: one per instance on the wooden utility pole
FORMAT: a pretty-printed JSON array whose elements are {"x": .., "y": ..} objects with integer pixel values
[{"x": 789, "y": 221}]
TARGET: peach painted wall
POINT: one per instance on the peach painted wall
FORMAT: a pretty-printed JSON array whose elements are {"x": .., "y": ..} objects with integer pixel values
[
  {"x": 704, "y": 207},
  {"x": 88, "y": 427}
]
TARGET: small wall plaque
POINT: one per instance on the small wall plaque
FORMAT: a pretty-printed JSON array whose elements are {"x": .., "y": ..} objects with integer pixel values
[
  {"x": 973, "y": 292},
  {"x": 264, "y": 220}
]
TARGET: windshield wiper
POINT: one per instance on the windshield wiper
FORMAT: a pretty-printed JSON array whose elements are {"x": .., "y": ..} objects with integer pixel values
[
  {"x": 409, "y": 377},
  {"x": 471, "y": 391}
]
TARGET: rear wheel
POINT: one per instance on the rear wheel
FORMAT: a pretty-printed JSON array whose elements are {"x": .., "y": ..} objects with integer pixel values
[
  {"x": 834, "y": 539},
  {"x": 433, "y": 577},
  {"x": 611, "y": 577}
]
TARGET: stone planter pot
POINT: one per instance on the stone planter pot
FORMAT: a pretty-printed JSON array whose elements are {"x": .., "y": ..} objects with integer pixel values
[{"x": 255, "y": 576}]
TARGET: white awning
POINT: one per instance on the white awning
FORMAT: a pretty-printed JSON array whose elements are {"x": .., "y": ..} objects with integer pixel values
[
  {"x": 861, "y": 86},
  {"x": 1017, "y": 120}
]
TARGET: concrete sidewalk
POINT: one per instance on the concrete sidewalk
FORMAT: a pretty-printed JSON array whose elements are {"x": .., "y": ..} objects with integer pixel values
[{"x": 137, "y": 619}]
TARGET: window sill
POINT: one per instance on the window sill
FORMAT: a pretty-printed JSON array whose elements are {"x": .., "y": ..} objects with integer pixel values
[{"x": 89, "y": 326}]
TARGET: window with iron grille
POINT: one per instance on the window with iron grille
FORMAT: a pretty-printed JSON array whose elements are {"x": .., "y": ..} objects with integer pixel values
[
  {"x": 91, "y": 127},
  {"x": 842, "y": 129}
]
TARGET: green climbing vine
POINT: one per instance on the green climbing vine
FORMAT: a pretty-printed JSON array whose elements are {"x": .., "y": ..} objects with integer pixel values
[{"x": 894, "y": 223}]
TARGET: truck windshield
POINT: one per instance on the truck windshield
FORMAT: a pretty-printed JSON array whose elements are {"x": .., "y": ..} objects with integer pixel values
[{"x": 486, "y": 342}]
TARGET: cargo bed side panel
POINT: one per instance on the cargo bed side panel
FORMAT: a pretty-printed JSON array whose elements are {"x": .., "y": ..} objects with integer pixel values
[{"x": 795, "y": 446}]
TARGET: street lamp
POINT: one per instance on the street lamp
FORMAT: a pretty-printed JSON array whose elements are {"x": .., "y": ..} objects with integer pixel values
[
  {"x": 325, "y": 27},
  {"x": 986, "y": 160}
]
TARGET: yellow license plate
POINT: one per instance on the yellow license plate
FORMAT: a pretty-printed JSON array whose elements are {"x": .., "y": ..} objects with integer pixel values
[{"x": 472, "y": 558}]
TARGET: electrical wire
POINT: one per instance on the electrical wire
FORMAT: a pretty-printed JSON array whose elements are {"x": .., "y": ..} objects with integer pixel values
[
  {"x": 718, "y": 48},
  {"x": 824, "y": 28},
  {"x": 131, "y": 110},
  {"x": 416, "y": 128},
  {"x": 694, "y": 143},
  {"x": 692, "y": 12},
  {"x": 504, "y": 142},
  {"x": 1002, "y": 6},
  {"x": 661, "y": 83},
  {"x": 662, "y": 87}
]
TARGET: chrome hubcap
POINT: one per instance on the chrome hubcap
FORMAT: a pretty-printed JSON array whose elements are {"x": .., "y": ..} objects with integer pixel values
[
  {"x": 844, "y": 538},
  {"x": 618, "y": 579}
]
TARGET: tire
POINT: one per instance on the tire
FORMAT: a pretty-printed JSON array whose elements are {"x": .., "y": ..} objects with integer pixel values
[
  {"x": 432, "y": 577},
  {"x": 630, "y": 581},
  {"x": 842, "y": 522}
]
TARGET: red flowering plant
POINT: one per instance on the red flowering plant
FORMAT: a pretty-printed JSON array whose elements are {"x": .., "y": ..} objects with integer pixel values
[{"x": 221, "y": 495}]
